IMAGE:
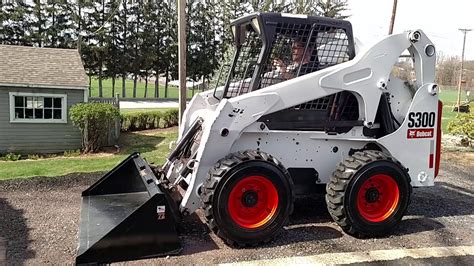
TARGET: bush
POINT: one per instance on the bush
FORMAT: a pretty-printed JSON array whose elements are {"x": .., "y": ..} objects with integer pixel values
[
  {"x": 72, "y": 153},
  {"x": 463, "y": 125},
  {"x": 93, "y": 120},
  {"x": 11, "y": 157},
  {"x": 34, "y": 157},
  {"x": 149, "y": 120},
  {"x": 171, "y": 118}
]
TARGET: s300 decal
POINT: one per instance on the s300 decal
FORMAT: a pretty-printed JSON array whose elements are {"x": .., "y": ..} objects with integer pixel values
[{"x": 421, "y": 125}]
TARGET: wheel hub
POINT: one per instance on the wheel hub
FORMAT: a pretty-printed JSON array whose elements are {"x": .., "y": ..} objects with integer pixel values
[
  {"x": 372, "y": 195},
  {"x": 378, "y": 198},
  {"x": 250, "y": 198},
  {"x": 253, "y": 202}
]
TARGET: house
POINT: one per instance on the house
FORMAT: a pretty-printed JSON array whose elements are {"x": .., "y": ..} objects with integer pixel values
[{"x": 37, "y": 88}]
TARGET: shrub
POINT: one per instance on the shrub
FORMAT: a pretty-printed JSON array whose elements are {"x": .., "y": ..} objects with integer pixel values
[
  {"x": 171, "y": 118},
  {"x": 34, "y": 157},
  {"x": 463, "y": 125},
  {"x": 11, "y": 157},
  {"x": 72, "y": 153},
  {"x": 93, "y": 120},
  {"x": 149, "y": 120}
]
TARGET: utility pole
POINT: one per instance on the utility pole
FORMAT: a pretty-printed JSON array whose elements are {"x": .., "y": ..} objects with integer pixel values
[
  {"x": 182, "y": 57},
  {"x": 465, "y": 31},
  {"x": 392, "y": 20}
]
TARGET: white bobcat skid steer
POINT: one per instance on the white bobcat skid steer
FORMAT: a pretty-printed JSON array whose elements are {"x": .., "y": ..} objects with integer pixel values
[{"x": 298, "y": 110}]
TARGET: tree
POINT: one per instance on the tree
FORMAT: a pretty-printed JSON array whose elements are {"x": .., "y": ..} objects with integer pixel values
[
  {"x": 98, "y": 28},
  {"x": 122, "y": 44},
  {"x": 447, "y": 68},
  {"x": 271, "y": 6},
  {"x": 139, "y": 38},
  {"x": 17, "y": 23},
  {"x": 112, "y": 59},
  {"x": 57, "y": 23},
  {"x": 135, "y": 41},
  {"x": 85, "y": 38},
  {"x": 170, "y": 42},
  {"x": 154, "y": 23},
  {"x": 308, "y": 7},
  {"x": 332, "y": 8},
  {"x": 39, "y": 23}
]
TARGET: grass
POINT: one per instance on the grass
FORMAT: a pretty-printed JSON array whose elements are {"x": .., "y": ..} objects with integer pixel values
[
  {"x": 449, "y": 96},
  {"x": 153, "y": 145},
  {"x": 141, "y": 110},
  {"x": 107, "y": 89}
]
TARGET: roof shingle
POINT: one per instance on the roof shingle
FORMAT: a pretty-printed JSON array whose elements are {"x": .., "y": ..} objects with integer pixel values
[{"x": 41, "y": 67}]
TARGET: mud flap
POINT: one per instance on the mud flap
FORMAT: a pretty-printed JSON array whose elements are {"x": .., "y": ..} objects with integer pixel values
[{"x": 126, "y": 216}]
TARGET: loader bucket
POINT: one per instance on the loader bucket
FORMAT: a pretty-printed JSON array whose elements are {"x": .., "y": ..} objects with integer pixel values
[{"x": 125, "y": 216}]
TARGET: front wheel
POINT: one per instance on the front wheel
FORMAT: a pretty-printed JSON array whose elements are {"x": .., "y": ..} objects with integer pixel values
[
  {"x": 247, "y": 198},
  {"x": 368, "y": 194}
]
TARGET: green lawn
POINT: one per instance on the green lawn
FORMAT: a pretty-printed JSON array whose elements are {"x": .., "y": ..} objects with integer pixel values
[
  {"x": 107, "y": 89},
  {"x": 449, "y": 97},
  {"x": 141, "y": 110},
  {"x": 153, "y": 146}
]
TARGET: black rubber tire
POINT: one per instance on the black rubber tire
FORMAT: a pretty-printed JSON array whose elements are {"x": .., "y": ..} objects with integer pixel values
[
  {"x": 224, "y": 176},
  {"x": 341, "y": 192}
]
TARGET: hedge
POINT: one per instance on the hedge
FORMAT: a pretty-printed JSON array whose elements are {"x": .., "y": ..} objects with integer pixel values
[
  {"x": 463, "y": 125},
  {"x": 93, "y": 120},
  {"x": 149, "y": 120}
]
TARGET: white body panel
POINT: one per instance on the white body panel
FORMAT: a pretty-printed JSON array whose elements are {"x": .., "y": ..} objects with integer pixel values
[{"x": 364, "y": 76}]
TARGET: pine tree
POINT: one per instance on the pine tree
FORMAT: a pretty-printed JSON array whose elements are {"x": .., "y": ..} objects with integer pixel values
[
  {"x": 151, "y": 47},
  {"x": 85, "y": 39},
  {"x": 134, "y": 41},
  {"x": 38, "y": 25},
  {"x": 112, "y": 60},
  {"x": 59, "y": 24},
  {"x": 170, "y": 43},
  {"x": 17, "y": 22},
  {"x": 98, "y": 30},
  {"x": 332, "y": 8},
  {"x": 123, "y": 34}
]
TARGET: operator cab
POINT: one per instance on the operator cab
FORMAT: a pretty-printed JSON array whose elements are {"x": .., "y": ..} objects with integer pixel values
[
  {"x": 273, "y": 47},
  {"x": 265, "y": 46}
]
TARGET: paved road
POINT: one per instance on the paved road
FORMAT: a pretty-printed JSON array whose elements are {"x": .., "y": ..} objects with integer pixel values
[{"x": 40, "y": 218}]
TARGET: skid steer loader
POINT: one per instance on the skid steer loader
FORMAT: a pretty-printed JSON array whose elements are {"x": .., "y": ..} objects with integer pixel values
[{"x": 297, "y": 109}]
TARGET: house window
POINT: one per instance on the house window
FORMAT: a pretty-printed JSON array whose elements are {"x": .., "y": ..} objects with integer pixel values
[{"x": 38, "y": 108}]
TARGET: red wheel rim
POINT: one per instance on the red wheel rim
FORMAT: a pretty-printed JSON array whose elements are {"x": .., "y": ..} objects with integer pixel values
[
  {"x": 253, "y": 202},
  {"x": 378, "y": 198}
]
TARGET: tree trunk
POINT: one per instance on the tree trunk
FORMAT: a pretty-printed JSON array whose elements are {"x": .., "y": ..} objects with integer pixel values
[
  {"x": 90, "y": 85},
  {"x": 146, "y": 84},
  {"x": 113, "y": 86},
  {"x": 192, "y": 93},
  {"x": 53, "y": 36},
  {"x": 101, "y": 55},
  {"x": 124, "y": 93},
  {"x": 203, "y": 86},
  {"x": 135, "y": 85},
  {"x": 157, "y": 86},
  {"x": 40, "y": 29},
  {"x": 166, "y": 83},
  {"x": 100, "y": 80}
]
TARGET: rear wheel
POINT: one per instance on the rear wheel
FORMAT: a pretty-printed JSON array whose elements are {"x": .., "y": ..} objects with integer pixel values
[
  {"x": 247, "y": 198},
  {"x": 368, "y": 194}
]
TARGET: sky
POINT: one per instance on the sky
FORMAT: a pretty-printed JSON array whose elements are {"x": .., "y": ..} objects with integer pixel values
[{"x": 440, "y": 20}]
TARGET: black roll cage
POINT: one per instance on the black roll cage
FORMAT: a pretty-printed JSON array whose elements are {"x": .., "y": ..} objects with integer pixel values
[{"x": 265, "y": 25}]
